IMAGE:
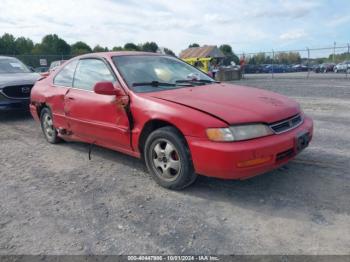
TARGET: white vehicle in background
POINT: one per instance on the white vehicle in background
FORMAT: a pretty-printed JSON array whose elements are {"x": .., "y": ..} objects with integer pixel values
[
  {"x": 55, "y": 64},
  {"x": 342, "y": 67}
]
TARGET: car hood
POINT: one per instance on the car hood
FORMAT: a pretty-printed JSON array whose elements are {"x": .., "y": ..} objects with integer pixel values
[
  {"x": 232, "y": 103},
  {"x": 18, "y": 79}
]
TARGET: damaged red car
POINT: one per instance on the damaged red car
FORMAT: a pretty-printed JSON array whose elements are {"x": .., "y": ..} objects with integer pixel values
[{"x": 179, "y": 120}]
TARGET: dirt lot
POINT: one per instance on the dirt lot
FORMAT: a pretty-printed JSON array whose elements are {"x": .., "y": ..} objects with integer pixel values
[
  {"x": 53, "y": 200},
  {"x": 300, "y": 75}
]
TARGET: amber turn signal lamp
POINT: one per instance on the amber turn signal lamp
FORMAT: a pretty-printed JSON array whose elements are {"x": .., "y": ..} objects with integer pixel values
[{"x": 254, "y": 162}]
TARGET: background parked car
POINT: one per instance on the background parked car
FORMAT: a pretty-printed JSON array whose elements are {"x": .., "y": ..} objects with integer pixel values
[
  {"x": 41, "y": 69},
  {"x": 300, "y": 68},
  {"x": 316, "y": 68},
  {"x": 253, "y": 69},
  {"x": 275, "y": 69},
  {"x": 342, "y": 67},
  {"x": 267, "y": 69},
  {"x": 288, "y": 68},
  {"x": 56, "y": 64},
  {"x": 16, "y": 82},
  {"x": 327, "y": 67}
]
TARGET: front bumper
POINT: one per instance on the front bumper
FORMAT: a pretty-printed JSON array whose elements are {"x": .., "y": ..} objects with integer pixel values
[
  {"x": 13, "y": 104},
  {"x": 221, "y": 160},
  {"x": 34, "y": 112}
]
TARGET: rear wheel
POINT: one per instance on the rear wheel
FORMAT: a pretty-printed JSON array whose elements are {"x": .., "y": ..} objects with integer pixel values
[
  {"x": 47, "y": 126},
  {"x": 168, "y": 159}
]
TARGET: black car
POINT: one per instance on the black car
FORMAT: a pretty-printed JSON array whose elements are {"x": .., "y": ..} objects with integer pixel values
[
  {"x": 41, "y": 69},
  {"x": 16, "y": 82},
  {"x": 253, "y": 69},
  {"x": 316, "y": 68},
  {"x": 300, "y": 68}
]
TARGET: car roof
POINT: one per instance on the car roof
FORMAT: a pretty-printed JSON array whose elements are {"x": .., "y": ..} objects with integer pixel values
[{"x": 119, "y": 53}]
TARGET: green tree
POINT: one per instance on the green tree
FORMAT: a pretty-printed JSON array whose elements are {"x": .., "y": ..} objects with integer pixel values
[
  {"x": 52, "y": 45},
  {"x": 23, "y": 45},
  {"x": 338, "y": 57},
  {"x": 117, "y": 48},
  {"x": 226, "y": 50},
  {"x": 99, "y": 48},
  {"x": 288, "y": 58},
  {"x": 7, "y": 44},
  {"x": 149, "y": 47},
  {"x": 80, "y": 48},
  {"x": 193, "y": 45},
  {"x": 230, "y": 56},
  {"x": 251, "y": 60},
  {"x": 131, "y": 47},
  {"x": 169, "y": 52},
  {"x": 260, "y": 58}
]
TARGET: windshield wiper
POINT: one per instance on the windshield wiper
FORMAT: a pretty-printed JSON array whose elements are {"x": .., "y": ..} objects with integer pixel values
[
  {"x": 157, "y": 84},
  {"x": 191, "y": 81}
]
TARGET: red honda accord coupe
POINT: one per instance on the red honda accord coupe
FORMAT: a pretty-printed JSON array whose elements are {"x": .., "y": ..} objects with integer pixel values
[{"x": 175, "y": 117}]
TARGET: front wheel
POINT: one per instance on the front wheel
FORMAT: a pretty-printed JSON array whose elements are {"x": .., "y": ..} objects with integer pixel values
[
  {"x": 168, "y": 159},
  {"x": 47, "y": 126}
]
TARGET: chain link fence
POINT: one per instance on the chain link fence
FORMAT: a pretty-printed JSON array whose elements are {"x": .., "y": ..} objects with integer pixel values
[
  {"x": 40, "y": 63},
  {"x": 328, "y": 62}
]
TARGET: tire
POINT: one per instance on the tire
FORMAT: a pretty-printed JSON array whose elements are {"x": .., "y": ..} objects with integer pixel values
[
  {"x": 47, "y": 127},
  {"x": 168, "y": 159}
]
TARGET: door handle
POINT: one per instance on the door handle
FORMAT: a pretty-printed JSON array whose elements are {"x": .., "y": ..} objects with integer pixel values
[{"x": 70, "y": 98}]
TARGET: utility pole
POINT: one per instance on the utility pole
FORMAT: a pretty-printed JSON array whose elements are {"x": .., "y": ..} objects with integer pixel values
[
  {"x": 273, "y": 61},
  {"x": 348, "y": 65},
  {"x": 308, "y": 62},
  {"x": 334, "y": 51}
]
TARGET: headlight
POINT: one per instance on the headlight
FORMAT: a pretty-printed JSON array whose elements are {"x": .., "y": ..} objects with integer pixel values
[
  {"x": 238, "y": 133},
  {"x": 220, "y": 134}
]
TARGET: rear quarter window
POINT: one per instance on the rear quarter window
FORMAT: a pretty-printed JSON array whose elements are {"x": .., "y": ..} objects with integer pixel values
[{"x": 66, "y": 75}]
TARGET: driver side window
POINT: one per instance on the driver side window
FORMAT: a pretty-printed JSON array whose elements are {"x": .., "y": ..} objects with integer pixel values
[{"x": 89, "y": 72}]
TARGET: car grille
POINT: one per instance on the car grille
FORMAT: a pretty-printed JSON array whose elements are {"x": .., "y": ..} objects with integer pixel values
[
  {"x": 286, "y": 125},
  {"x": 20, "y": 91}
]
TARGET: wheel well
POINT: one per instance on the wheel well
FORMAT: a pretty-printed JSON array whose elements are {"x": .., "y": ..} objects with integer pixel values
[
  {"x": 151, "y": 126},
  {"x": 40, "y": 107}
]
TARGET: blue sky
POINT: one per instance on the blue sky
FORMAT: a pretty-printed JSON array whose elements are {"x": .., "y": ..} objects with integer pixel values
[{"x": 247, "y": 25}]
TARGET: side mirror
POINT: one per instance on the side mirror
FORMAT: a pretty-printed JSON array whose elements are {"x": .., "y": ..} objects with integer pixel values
[
  {"x": 110, "y": 89},
  {"x": 105, "y": 88}
]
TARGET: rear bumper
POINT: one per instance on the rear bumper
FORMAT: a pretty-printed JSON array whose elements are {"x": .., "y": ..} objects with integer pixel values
[{"x": 221, "y": 160}]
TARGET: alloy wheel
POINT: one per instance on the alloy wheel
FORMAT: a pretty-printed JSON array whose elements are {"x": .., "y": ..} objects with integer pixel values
[
  {"x": 48, "y": 126},
  {"x": 166, "y": 160}
]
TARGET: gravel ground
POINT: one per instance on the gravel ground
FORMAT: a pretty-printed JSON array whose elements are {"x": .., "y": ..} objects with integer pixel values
[
  {"x": 300, "y": 75},
  {"x": 54, "y": 200}
]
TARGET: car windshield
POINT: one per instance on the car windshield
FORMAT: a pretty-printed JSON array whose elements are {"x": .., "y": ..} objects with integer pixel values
[
  {"x": 12, "y": 65},
  {"x": 146, "y": 73}
]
